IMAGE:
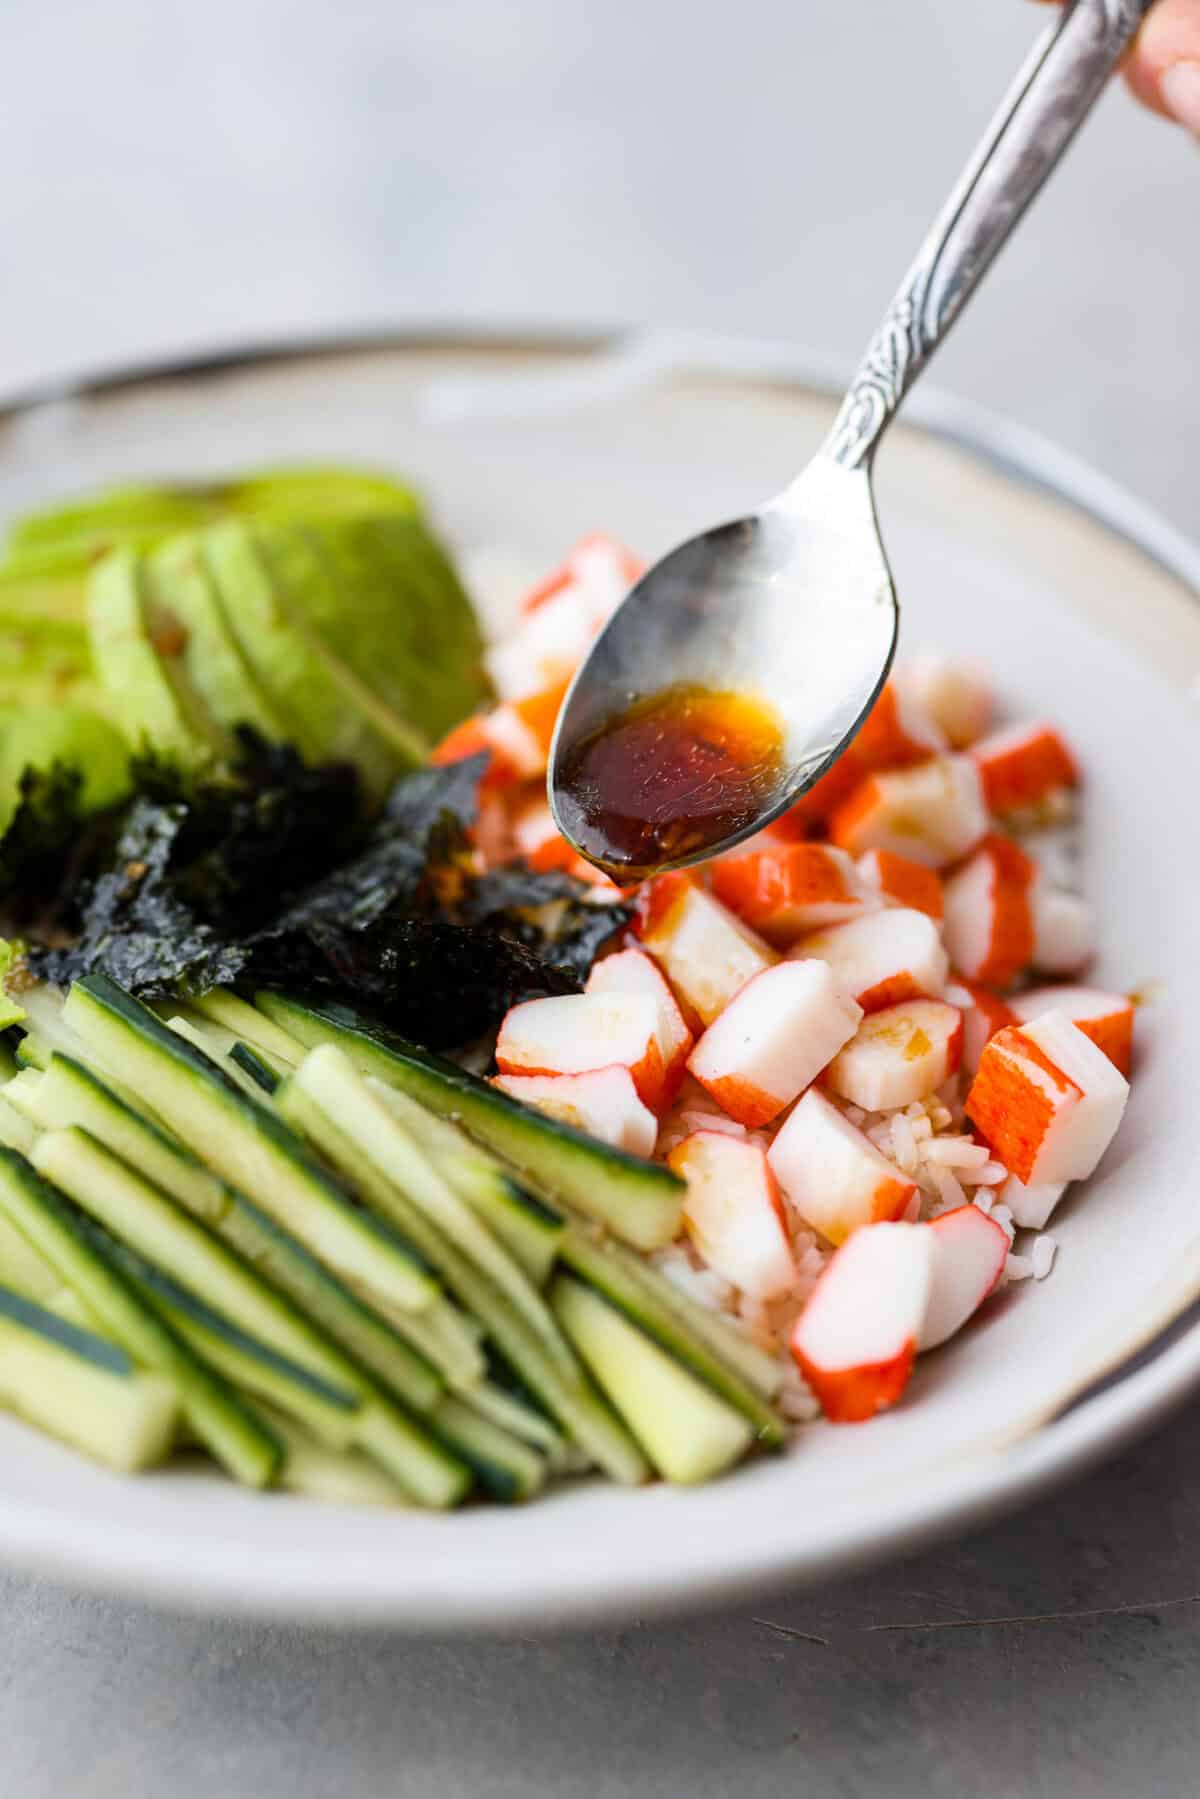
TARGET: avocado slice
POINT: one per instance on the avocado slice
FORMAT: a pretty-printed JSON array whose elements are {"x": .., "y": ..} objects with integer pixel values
[
  {"x": 323, "y": 715},
  {"x": 150, "y": 694},
  {"x": 43, "y": 660},
  {"x": 389, "y": 583},
  {"x": 40, "y": 736},
  {"x": 188, "y": 624}
]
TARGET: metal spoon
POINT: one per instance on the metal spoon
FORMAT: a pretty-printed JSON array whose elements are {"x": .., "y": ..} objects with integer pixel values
[{"x": 795, "y": 603}]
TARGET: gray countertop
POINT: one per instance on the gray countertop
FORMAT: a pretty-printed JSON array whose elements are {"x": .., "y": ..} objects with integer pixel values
[{"x": 185, "y": 179}]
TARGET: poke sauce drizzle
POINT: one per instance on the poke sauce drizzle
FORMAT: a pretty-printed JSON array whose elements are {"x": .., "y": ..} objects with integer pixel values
[{"x": 672, "y": 775}]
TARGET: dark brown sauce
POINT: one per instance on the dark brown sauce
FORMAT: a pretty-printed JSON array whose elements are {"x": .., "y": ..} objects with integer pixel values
[{"x": 672, "y": 775}]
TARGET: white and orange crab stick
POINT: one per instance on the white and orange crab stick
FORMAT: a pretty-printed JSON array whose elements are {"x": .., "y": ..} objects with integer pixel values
[
  {"x": 896, "y": 733},
  {"x": 813, "y": 810},
  {"x": 1064, "y": 935},
  {"x": 983, "y": 1014},
  {"x": 1107, "y": 1018},
  {"x": 562, "y": 616},
  {"x": 834, "y": 1176},
  {"x": 970, "y": 1250},
  {"x": 886, "y": 957},
  {"x": 989, "y": 929},
  {"x": 1031, "y": 1207},
  {"x": 516, "y": 735},
  {"x": 632, "y": 971},
  {"x": 773, "y": 1039},
  {"x": 899, "y": 1055},
  {"x": 782, "y": 890},
  {"x": 933, "y": 813},
  {"x": 705, "y": 952},
  {"x": 1046, "y": 1100},
  {"x": 957, "y": 696},
  {"x": 576, "y": 1032},
  {"x": 856, "y": 1340},
  {"x": 1022, "y": 765},
  {"x": 603, "y": 1103},
  {"x": 734, "y": 1212},
  {"x": 899, "y": 881}
]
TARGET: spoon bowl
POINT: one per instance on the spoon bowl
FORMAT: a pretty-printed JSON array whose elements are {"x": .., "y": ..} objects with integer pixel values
[{"x": 793, "y": 606}]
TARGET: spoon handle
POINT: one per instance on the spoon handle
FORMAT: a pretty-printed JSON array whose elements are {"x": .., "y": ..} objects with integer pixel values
[{"x": 1055, "y": 90}]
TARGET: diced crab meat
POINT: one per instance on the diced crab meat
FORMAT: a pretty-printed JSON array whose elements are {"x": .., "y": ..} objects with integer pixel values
[
  {"x": 602, "y": 1103},
  {"x": 856, "y": 1339},
  {"x": 813, "y": 809},
  {"x": 957, "y": 696},
  {"x": 989, "y": 925},
  {"x": 546, "y": 649},
  {"x": 1022, "y": 765},
  {"x": 576, "y": 1032},
  {"x": 897, "y": 732},
  {"x": 773, "y": 1039},
  {"x": 970, "y": 1250},
  {"x": 886, "y": 957},
  {"x": 598, "y": 565},
  {"x": 899, "y": 881},
  {"x": 705, "y": 952},
  {"x": 933, "y": 813},
  {"x": 983, "y": 1014},
  {"x": 632, "y": 971},
  {"x": 784, "y": 889},
  {"x": 1031, "y": 1207},
  {"x": 538, "y": 838},
  {"x": 833, "y": 1175},
  {"x": 734, "y": 1212},
  {"x": 899, "y": 1056},
  {"x": 1064, "y": 938},
  {"x": 1046, "y": 1100},
  {"x": 1107, "y": 1018},
  {"x": 516, "y": 736}
]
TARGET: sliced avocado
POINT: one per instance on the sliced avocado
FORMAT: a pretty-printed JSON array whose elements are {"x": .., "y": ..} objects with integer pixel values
[
  {"x": 319, "y": 491},
  {"x": 45, "y": 660},
  {"x": 152, "y": 699},
  {"x": 40, "y": 736},
  {"x": 318, "y": 607},
  {"x": 391, "y": 584},
  {"x": 323, "y": 719},
  {"x": 188, "y": 623}
]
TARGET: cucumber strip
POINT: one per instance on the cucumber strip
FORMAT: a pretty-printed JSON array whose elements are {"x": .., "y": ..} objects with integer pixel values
[
  {"x": 245, "y": 1142},
  {"x": 578, "y": 1408},
  {"x": 520, "y": 1421},
  {"x": 24, "y": 1270},
  {"x": 688, "y": 1433},
  {"x": 322, "y": 1474},
  {"x": 8, "y": 1064},
  {"x": 330, "y": 1079},
  {"x": 33, "y": 1053},
  {"x": 19, "y": 1092},
  {"x": 361, "y": 1415},
  {"x": 250, "y": 1062},
  {"x": 618, "y": 1272},
  {"x": 217, "y": 1416},
  {"x": 69, "y": 1094},
  {"x": 506, "y": 1468},
  {"x": 641, "y": 1202},
  {"x": 527, "y": 1227},
  {"x": 16, "y": 1131},
  {"x": 602, "y": 1271},
  {"x": 210, "y": 1044},
  {"x": 447, "y": 1339},
  {"x": 243, "y": 1020},
  {"x": 83, "y": 1389}
]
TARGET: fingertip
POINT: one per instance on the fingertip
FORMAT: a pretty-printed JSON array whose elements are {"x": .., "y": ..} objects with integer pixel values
[{"x": 1164, "y": 65}]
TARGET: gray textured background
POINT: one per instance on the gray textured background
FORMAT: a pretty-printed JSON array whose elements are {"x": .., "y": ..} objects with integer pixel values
[{"x": 178, "y": 178}]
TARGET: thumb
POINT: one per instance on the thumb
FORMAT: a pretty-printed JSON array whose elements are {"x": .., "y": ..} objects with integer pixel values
[{"x": 1164, "y": 67}]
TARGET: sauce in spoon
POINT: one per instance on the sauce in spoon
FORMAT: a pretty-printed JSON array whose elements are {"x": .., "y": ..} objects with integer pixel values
[{"x": 674, "y": 773}]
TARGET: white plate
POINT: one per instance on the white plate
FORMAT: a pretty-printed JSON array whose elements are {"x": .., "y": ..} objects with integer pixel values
[{"x": 1090, "y": 621}]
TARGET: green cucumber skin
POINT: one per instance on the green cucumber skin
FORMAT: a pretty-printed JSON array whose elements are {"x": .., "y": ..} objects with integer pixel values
[
  {"x": 233, "y": 1434},
  {"x": 639, "y": 1201}
]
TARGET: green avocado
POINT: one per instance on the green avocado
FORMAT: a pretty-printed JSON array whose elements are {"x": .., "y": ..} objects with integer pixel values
[
  {"x": 149, "y": 694},
  {"x": 323, "y": 715},
  {"x": 43, "y": 660},
  {"x": 385, "y": 599},
  {"x": 40, "y": 736},
  {"x": 195, "y": 642}
]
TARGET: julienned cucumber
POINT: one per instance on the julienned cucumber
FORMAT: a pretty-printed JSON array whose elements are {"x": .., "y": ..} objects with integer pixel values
[
  {"x": 688, "y": 1433},
  {"x": 217, "y": 1416},
  {"x": 639, "y": 1201},
  {"x": 507, "y": 1468},
  {"x": 334, "y": 1478},
  {"x": 243, "y": 1020},
  {"x": 572, "y": 1401},
  {"x": 247, "y": 1143},
  {"x": 69, "y": 1094},
  {"x": 331, "y": 1079},
  {"x": 238, "y": 1322},
  {"x": 599, "y": 1268},
  {"x": 82, "y": 1388}
]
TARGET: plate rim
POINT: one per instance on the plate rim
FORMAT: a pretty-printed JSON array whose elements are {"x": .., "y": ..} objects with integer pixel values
[{"x": 1106, "y": 1416}]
